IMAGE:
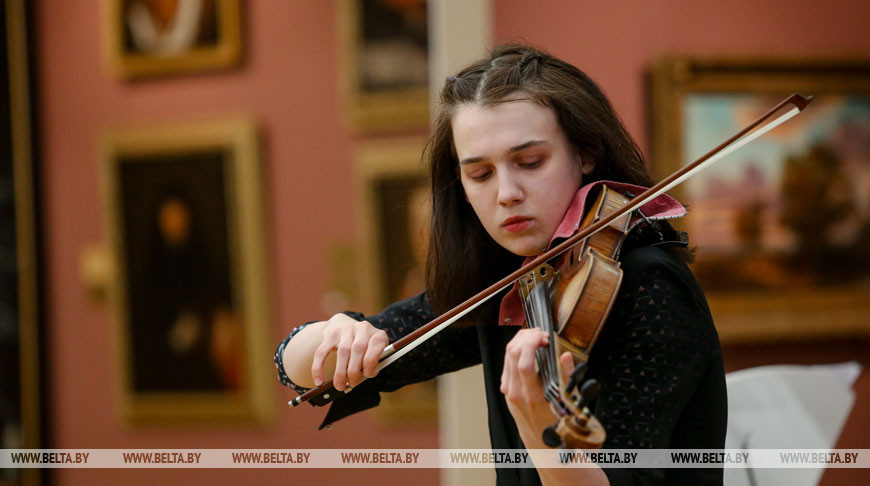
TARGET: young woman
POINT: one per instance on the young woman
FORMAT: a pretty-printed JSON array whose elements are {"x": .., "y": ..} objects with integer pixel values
[{"x": 519, "y": 141}]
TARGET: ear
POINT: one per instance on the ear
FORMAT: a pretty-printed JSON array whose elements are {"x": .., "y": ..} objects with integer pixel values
[{"x": 587, "y": 163}]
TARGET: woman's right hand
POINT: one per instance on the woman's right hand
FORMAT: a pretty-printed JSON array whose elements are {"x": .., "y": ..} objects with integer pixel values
[{"x": 358, "y": 346}]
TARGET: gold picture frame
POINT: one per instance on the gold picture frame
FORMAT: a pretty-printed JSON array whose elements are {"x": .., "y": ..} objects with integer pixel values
[
  {"x": 383, "y": 62},
  {"x": 146, "y": 38},
  {"x": 759, "y": 264},
  {"x": 182, "y": 209},
  {"x": 393, "y": 210}
]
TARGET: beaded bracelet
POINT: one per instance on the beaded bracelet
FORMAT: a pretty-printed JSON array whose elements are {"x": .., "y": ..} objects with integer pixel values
[{"x": 279, "y": 360}]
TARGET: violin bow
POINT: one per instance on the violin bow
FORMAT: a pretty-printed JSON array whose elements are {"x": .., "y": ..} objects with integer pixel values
[{"x": 786, "y": 109}]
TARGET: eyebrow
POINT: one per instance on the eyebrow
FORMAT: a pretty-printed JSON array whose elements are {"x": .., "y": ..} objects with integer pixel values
[{"x": 512, "y": 150}]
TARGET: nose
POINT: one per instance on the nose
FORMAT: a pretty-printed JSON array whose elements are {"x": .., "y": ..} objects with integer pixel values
[{"x": 510, "y": 191}]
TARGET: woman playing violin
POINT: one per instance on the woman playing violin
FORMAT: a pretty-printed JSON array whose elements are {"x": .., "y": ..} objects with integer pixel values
[{"x": 519, "y": 140}]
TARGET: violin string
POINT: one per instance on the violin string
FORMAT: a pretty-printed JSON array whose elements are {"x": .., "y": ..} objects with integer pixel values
[
  {"x": 534, "y": 320},
  {"x": 553, "y": 368},
  {"x": 539, "y": 314}
]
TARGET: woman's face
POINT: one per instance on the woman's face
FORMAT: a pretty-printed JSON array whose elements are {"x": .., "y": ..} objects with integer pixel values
[{"x": 518, "y": 170}]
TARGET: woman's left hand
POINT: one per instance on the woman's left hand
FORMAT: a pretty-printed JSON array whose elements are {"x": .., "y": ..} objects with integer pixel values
[
  {"x": 522, "y": 387},
  {"x": 524, "y": 393}
]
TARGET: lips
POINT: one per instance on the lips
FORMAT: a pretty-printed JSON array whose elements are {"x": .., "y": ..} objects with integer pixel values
[{"x": 516, "y": 223}]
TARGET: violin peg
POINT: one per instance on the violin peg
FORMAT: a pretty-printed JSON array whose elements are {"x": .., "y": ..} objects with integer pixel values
[
  {"x": 576, "y": 377},
  {"x": 551, "y": 437},
  {"x": 589, "y": 392}
]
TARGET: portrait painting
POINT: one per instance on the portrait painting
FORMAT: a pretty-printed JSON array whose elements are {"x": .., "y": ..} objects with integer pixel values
[
  {"x": 781, "y": 228},
  {"x": 384, "y": 61},
  {"x": 177, "y": 253},
  {"x": 161, "y": 37},
  {"x": 184, "y": 257}
]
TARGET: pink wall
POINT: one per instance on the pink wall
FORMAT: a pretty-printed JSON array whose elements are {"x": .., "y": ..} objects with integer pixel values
[{"x": 289, "y": 83}]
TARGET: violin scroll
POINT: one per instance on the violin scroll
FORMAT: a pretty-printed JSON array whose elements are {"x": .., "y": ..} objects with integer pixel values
[{"x": 579, "y": 430}]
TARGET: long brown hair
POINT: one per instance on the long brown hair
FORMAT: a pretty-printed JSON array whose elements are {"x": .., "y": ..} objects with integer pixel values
[{"x": 463, "y": 258}]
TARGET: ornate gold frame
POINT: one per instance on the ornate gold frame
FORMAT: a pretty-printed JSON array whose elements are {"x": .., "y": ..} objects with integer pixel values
[
  {"x": 749, "y": 316},
  {"x": 225, "y": 54},
  {"x": 238, "y": 139}
]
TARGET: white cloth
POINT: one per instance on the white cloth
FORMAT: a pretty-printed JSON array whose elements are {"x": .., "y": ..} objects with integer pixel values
[{"x": 787, "y": 406}]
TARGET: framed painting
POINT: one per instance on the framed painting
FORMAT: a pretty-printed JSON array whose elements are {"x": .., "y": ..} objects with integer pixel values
[
  {"x": 22, "y": 407},
  {"x": 384, "y": 64},
  {"x": 183, "y": 212},
  {"x": 145, "y": 38},
  {"x": 781, "y": 227},
  {"x": 394, "y": 212}
]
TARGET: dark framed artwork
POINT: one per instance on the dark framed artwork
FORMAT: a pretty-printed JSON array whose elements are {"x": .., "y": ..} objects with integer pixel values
[
  {"x": 183, "y": 212},
  {"x": 384, "y": 64},
  {"x": 160, "y": 37},
  {"x": 394, "y": 211},
  {"x": 782, "y": 227},
  {"x": 21, "y": 406}
]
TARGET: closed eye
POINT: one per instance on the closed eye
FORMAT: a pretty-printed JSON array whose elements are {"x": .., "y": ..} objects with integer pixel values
[
  {"x": 530, "y": 164},
  {"x": 481, "y": 177}
]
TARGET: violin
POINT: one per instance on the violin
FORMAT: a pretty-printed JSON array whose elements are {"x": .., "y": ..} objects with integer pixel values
[
  {"x": 568, "y": 305},
  {"x": 569, "y": 298}
]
